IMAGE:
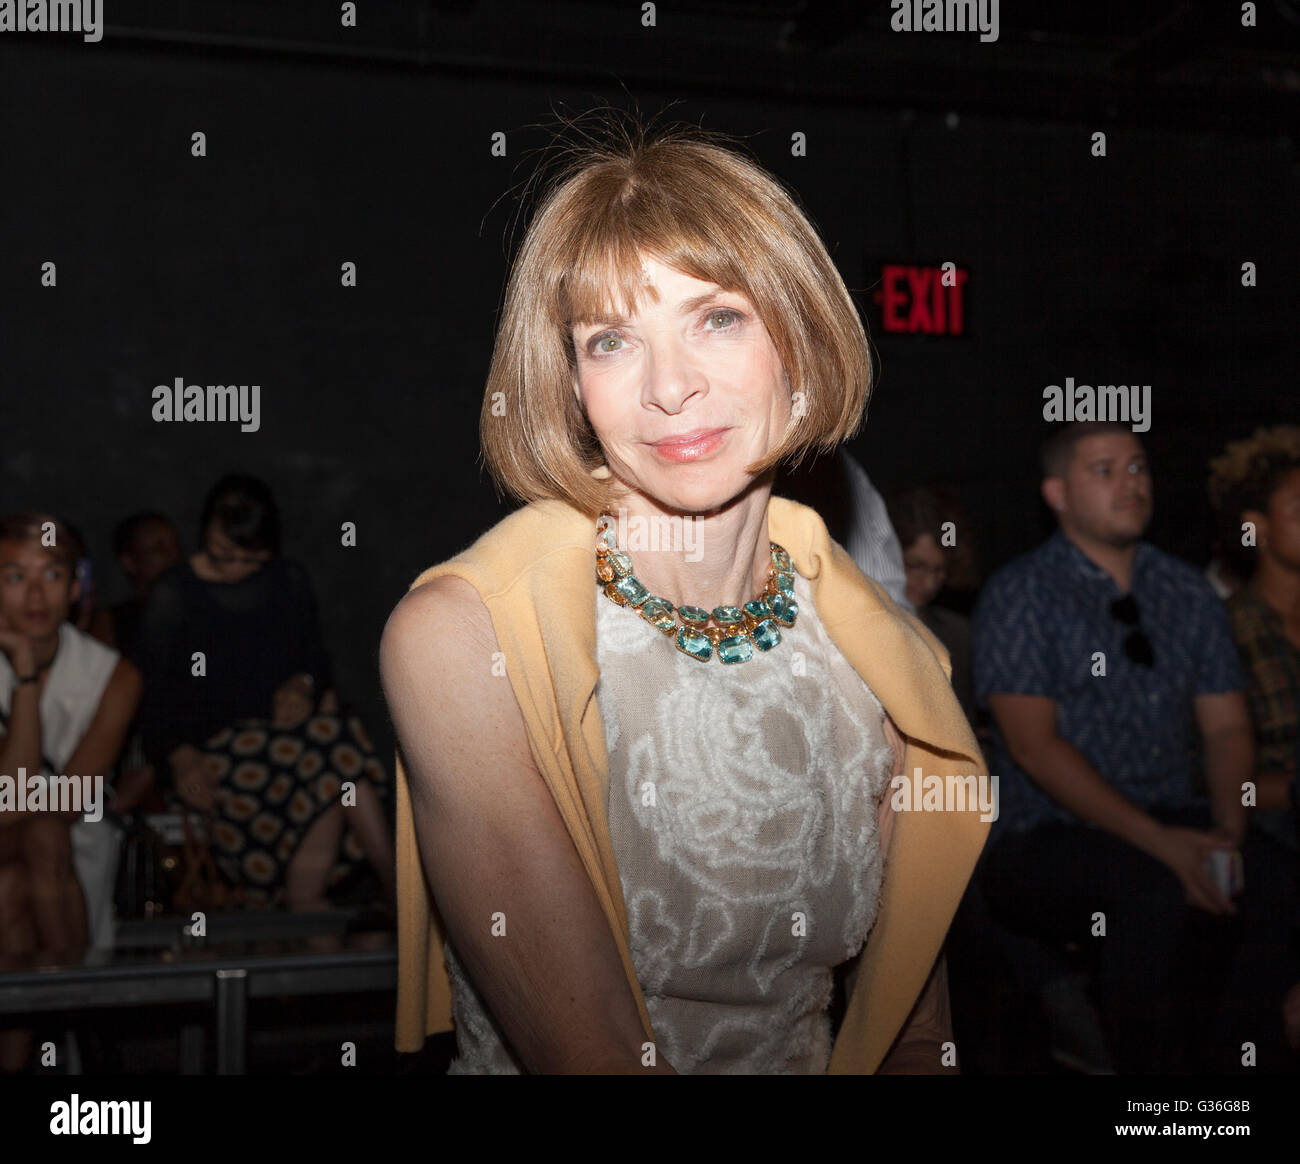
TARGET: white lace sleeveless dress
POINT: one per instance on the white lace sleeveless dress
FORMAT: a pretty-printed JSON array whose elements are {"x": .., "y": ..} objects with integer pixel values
[{"x": 743, "y": 806}]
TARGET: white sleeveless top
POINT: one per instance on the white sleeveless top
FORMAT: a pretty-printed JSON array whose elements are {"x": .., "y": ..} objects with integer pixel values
[
  {"x": 78, "y": 676},
  {"x": 81, "y": 670},
  {"x": 743, "y": 805}
]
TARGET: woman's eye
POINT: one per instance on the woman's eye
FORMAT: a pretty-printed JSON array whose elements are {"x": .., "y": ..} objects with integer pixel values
[
  {"x": 597, "y": 344},
  {"x": 611, "y": 342}
]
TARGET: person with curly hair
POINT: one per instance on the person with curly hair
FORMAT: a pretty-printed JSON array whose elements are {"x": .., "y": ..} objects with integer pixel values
[{"x": 1255, "y": 490}]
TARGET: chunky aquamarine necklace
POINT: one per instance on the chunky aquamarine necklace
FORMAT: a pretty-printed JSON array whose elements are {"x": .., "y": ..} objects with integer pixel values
[{"x": 732, "y": 631}]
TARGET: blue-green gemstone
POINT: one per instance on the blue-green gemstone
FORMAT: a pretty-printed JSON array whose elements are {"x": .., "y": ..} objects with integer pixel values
[
  {"x": 694, "y": 644},
  {"x": 621, "y": 562},
  {"x": 759, "y": 608},
  {"x": 632, "y": 590},
  {"x": 735, "y": 649},
  {"x": 727, "y": 615},
  {"x": 784, "y": 609},
  {"x": 782, "y": 560},
  {"x": 608, "y": 536},
  {"x": 695, "y": 615},
  {"x": 786, "y": 584},
  {"x": 658, "y": 613},
  {"x": 765, "y": 635}
]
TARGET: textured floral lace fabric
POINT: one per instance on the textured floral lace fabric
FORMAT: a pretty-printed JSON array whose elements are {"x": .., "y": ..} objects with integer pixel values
[{"x": 743, "y": 809}]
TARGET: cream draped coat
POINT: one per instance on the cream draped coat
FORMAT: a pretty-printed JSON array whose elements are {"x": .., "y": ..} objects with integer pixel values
[{"x": 534, "y": 571}]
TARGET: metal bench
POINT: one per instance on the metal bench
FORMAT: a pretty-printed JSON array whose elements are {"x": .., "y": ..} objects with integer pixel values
[{"x": 243, "y": 956}]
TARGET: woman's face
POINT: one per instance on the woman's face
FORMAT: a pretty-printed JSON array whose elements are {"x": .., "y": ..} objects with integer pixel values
[
  {"x": 927, "y": 570},
  {"x": 684, "y": 395},
  {"x": 231, "y": 563}
]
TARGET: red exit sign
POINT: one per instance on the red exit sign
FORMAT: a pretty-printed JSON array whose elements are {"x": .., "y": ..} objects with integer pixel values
[{"x": 923, "y": 300}]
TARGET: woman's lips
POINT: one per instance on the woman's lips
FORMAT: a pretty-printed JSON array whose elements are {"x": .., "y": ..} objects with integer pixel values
[{"x": 690, "y": 446}]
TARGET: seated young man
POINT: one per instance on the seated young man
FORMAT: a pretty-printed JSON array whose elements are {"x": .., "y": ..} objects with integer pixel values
[
  {"x": 66, "y": 701},
  {"x": 1099, "y": 657}
]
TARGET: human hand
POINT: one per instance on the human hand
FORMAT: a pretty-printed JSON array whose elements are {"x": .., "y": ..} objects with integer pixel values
[
  {"x": 190, "y": 778},
  {"x": 15, "y": 644},
  {"x": 1185, "y": 852},
  {"x": 293, "y": 701},
  {"x": 1233, "y": 833},
  {"x": 132, "y": 787}
]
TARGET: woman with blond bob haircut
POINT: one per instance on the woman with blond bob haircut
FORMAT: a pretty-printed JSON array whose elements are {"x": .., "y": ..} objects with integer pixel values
[
  {"x": 662, "y": 746},
  {"x": 703, "y": 210}
]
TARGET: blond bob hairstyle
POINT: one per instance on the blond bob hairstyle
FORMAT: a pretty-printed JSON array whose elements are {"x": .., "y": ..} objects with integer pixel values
[{"x": 686, "y": 199}]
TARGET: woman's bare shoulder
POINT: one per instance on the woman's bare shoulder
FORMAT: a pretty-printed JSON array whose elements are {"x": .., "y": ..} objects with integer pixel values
[
  {"x": 452, "y": 706},
  {"x": 445, "y": 610}
]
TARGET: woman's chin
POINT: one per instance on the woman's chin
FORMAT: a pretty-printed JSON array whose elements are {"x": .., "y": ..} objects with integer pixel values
[
  {"x": 690, "y": 488},
  {"x": 695, "y": 497}
]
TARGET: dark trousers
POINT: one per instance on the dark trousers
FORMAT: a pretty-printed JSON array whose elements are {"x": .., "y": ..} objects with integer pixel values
[{"x": 1178, "y": 990}]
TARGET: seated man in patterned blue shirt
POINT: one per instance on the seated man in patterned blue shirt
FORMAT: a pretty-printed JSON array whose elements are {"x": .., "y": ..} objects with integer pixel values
[{"x": 1099, "y": 657}]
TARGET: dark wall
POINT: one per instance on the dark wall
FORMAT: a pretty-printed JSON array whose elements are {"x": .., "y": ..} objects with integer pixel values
[{"x": 225, "y": 269}]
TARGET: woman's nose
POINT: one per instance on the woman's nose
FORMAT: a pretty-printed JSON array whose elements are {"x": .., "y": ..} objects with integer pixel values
[{"x": 670, "y": 377}]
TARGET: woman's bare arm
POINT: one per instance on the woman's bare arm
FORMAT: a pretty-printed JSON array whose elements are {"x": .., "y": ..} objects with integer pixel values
[{"x": 493, "y": 843}]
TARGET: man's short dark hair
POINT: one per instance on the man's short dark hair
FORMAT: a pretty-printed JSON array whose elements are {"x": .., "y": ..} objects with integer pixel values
[
  {"x": 129, "y": 528},
  {"x": 915, "y": 510},
  {"x": 1057, "y": 450},
  {"x": 28, "y": 527}
]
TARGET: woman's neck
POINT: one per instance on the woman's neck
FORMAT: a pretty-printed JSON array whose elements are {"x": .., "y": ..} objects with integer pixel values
[{"x": 715, "y": 559}]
